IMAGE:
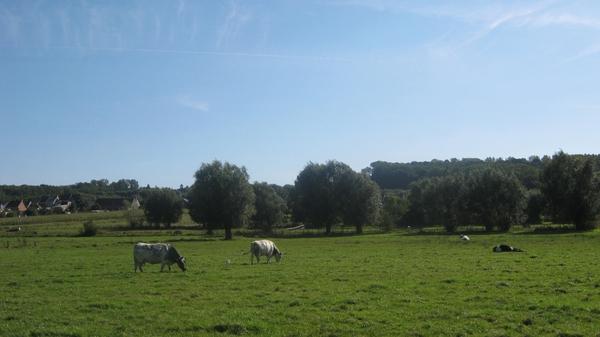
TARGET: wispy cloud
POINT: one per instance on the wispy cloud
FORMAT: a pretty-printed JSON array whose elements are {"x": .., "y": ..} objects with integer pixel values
[
  {"x": 92, "y": 24},
  {"x": 196, "y": 105},
  {"x": 238, "y": 16},
  {"x": 11, "y": 23},
  {"x": 82, "y": 49},
  {"x": 515, "y": 14},
  {"x": 483, "y": 18},
  {"x": 181, "y": 8},
  {"x": 593, "y": 49},
  {"x": 492, "y": 18},
  {"x": 565, "y": 19}
]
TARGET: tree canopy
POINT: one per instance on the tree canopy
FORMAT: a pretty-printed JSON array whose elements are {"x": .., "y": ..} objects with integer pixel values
[
  {"x": 496, "y": 199},
  {"x": 270, "y": 208},
  {"x": 163, "y": 206},
  {"x": 442, "y": 200},
  {"x": 571, "y": 188},
  {"x": 333, "y": 192},
  {"x": 221, "y": 197},
  {"x": 400, "y": 175}
]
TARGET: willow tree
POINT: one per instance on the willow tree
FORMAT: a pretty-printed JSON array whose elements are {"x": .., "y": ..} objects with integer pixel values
[
  {"x": 442, "y": 200},
  {"x": 270, "y": 207},
  {"x": 162, "y": 206},
  {"x": 496, "y": 199},
  {"x": 360, "y": 200},
  {"x": 221, "y": 197},
  {"x": 330, "y": 193},
  {"x": 571, "y": 188}
]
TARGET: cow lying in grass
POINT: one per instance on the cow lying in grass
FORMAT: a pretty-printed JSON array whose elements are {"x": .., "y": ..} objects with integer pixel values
[
  {"x": 464, "y": 237},
  {"x": 263, "y": 247},
  {"x": 153, "y": 253},
  {"x": 505, "y": 248}
]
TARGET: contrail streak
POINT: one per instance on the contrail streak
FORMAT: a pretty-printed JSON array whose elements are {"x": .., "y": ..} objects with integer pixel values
[{"x": 166, "y": 51}]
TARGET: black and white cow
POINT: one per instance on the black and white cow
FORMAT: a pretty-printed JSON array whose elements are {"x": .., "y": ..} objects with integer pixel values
[
  {"x": 153, "y": 253},
  {"x": 464, "y": 237},
  {"x": 263, "y": 247},
  {"x": 505, "y": 248}
]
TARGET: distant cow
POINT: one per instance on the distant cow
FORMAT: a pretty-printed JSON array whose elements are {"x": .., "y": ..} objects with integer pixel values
[
  {"x": 153, "y": 253},
  {"x": 14, "y": 229},
  {"x": 464, "y": 237},
  {"x": 505, "y": 248},
  {"x": 263, "y": 247}
]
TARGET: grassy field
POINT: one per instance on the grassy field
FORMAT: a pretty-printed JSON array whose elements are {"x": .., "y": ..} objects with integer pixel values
[{"x": 401, "y": 284}]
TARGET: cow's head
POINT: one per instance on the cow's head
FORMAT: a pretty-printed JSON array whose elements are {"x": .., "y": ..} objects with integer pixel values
[
  {"x": 278, "y": 255},
  {"x": 181, "y": 263}
]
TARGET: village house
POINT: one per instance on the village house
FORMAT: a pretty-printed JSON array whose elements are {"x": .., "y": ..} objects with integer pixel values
[
  {"x": 15, "y": 205},
  {"x": 115, "y": 204}
]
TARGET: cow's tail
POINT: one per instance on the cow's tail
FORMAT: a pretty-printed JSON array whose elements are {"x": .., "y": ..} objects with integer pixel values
[{"x": 251, "y": 249}]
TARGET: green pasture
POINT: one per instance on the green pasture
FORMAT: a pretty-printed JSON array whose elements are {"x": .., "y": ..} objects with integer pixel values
[{"x": 400, "y": 284}]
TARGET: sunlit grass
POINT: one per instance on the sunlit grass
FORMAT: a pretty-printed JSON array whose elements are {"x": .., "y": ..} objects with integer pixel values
[{"x": 372, "y": 285}]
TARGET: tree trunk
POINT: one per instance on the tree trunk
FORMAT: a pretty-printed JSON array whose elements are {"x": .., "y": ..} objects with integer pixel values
[{"x": 228, "y": 233}]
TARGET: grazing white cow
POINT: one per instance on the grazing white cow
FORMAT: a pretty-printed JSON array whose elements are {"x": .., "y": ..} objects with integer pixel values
[
  {"x": 263, "y": 247},
  {"x": 464, "y": 237},
  {"x": 153, "y": 253},
  {"x": 505, "y": 248}
]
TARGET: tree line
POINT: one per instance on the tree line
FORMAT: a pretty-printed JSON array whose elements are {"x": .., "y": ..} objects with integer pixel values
[
  {"x": 493, "y": 193},
  {"x": 565, "y": 189},
  {"x": 95, "y": 188}
]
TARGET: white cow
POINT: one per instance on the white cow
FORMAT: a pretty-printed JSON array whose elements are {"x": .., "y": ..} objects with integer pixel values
[
  {"x": 153, "y": 253},
  {"x": 464, "y": 237},
  {"x": 263, "y": 247}
]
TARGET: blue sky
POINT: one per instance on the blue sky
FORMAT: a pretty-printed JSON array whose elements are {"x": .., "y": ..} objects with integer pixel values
[{"x": 150, "y": 90}]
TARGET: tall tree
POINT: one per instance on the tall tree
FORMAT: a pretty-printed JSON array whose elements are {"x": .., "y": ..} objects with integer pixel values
[
  {"x": 359, "y": 198},
  {"x": 497, "y": 199},
  {"x": 571, "y": 188},
  {"x": 163, "y": 206},
  {"x": 534, "y": 207},
  {"x": 333, "y": 192},
  {"x": 393, "y": 209},
  {"x": 443, "y": 200},
  {"x": 270, "y": 208},
  {"x": 315, "y": 193},
  {"x": 221, "y": 197}
]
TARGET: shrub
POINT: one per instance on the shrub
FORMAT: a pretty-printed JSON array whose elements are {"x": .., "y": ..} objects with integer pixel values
[
  {"x": 31, "y": 211},
  {"x": 90, "y": 229},
  {"x": 135, "y": 218}
]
